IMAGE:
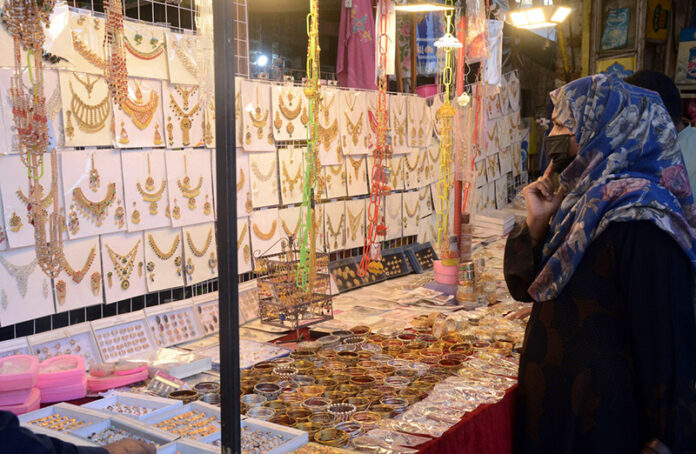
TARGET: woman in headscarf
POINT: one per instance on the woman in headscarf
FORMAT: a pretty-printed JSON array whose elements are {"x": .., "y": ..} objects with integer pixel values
[{"x": 607, "y": 257}]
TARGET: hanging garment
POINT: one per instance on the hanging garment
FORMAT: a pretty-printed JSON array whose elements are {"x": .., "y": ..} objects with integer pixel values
[{"x": 355, "y": 65}]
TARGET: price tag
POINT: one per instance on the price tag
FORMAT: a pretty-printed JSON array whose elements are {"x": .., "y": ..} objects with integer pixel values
[{"x": 348, "y": 3}]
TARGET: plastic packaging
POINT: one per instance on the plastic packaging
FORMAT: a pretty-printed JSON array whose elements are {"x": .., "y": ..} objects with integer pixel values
[
  {"x": 18, "y": 372},
  {"x": 32, "y": 403},
  {"x": 61, "y": 371}
]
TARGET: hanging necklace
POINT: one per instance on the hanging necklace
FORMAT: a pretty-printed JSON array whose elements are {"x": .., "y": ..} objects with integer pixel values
[
  {"x": 45, "y": 201},
  {"x": 258, "y": 119},
  {"x": 156, "y": 51},
  {"x": 123, "y": 264},
  {"x": 335, "y": 232},
  {"x": 196, "y": 251},
  {"x": 86, "y": 53},
  {"x": 265, "y": 236},
  {"x": 394, "y": 214},
  {"x": 340, "y": 171},
  {"x": 186, "y": 189},
  {"x": 288, "y": 111},
  {"x": 88, "y": 84},
  {"x": 97, "y": 211},
  {"x": 115, "y": 69},
  {"x": 357, "y": 164},
  {"x": 189, "y": 65},
  {"x": 78, "y": 275},
  {"x": 411, "y": 213},
  {"x": 53, "y": 105},
  {"x": 288, "y": 232},
  {"x": 400, "y": 129},
  {"x": 353, "y": 222},
  {"x": 20, "y": 273},
  {"x": 262, "y": 176},
  {"x": 240, "y": 240},
  {"x": 240, "y": 182},
  {"x": 160, "y": 254},
  {"x": 149, "y": 194},
  {"x": 183, "y": 113},
  {"x": 141, "y": 112},
  {"x": 434, "y": 159},
  {"x": 327, "y": 135},
  {"x": 90, "y": 118},
  {"x": 290, "y": 182},
  {"x": 354, "y": 129}
]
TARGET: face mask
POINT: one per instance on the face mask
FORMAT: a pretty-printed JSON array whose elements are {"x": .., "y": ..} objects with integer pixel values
[{"x": 557, "y": 149}]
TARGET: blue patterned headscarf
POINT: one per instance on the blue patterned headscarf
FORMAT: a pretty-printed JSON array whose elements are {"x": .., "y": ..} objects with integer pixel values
[{"x": 628, "y": 168}]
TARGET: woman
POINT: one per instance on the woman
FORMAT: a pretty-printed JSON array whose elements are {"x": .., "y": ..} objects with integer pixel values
[{"x": 609, "y": 364}]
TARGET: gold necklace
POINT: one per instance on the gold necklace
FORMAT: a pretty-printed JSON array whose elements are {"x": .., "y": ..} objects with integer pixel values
[
  {"x": 141, "y": 112},
  {"x": 90, "y": 118},
  {"x": 97, "y": 211},
  {"x": 335, "y": 232},
  {"x": 240, "y": 240},
  {"x": 45, "y": 201},
  {"x": 412, "y": 212},
  {"x": 149, "y": 194},
  {"x": 183, "y": 113},
  {"x": 356, "y": 163},
  {"x": 288, "y": 182},
  {"x": 434, "y": 159},
  {"x": 289, "y": 114},
  {"x": 256, "y": 117},
  {"x": 240, "y": 183},
  {"x": 325, "y": 108},
  {"x": 396, "y": 172},
  {"x": 262, "y": 176},
  {"x": 88, "y": 84},
  {"x": 86, "y": 53},
  {"x": 78, "y": 275},
  {"x": 265, "y": 236},
  {"x": 199, "y": 252},
  {"x": 327, "y": 135},
  {"x": 163, "y": 255},
  {"x": 185, "y": 60},
  {"x": 409, "y": 166},
  {"x": 123, "y": 264},
  {"x": 158, "y": 48},
  {"x": 354, "y": 129},
  {"x": 186, "y": 190},
  {"x": 353, "y": 222},
  {"x": 288, "y": 232},
  {"x": 340, "y": 172}
]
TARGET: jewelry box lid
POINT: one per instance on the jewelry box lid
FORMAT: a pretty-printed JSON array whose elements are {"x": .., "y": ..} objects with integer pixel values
[
  {"x": 18, "y": 372},
  {"x": 60, "y": 371}
]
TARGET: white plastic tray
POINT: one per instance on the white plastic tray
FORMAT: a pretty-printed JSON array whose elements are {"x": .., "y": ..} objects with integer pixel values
[
  {"x": 106, "y": 326},
  {"x": 133, "y": 427},
  {"x": 71, "y": 338},
  {"x": 71, "y": 411},
  {"x": 158, "y": 404},
  {"x": 295, "y": 438},
  {"x": 188, "y": 447},
  {"x": 180, "y": 311},
  {"x": 209, "y": 410}
]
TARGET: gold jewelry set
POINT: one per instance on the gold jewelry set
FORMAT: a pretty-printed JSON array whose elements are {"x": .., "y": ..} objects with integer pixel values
[
  {"x": 77, "y": 275},
  {"x": 327, "y": 134},
  {"x": 286, "y": 229},
  {"x": 190, "y": 192},
  {"x": 184, "y": 112},
  {"x": 356, "y": 223},
  {"x": 399, "y": 127},
  {"x": 259, "y": 120},
  {"x": 334, "y": 232},
  {"x": 409, "y": 214},
  {"x": 412, "y": 168},
  {"x": 188, "y": 64},
  {"x": 417, "y": 135},
  {"x": 262, "y": 177},
  {"x": 290, "y": 104},
  {"x": 354, "y": 128},
  {"x": 163, "y": 256},
  {"x": 94, "y": 210},
  {"x": 200, "y": 252},
  {"x": 123, "y": 265},
  {"x": 149, "y": 193},
  {"x": 266, "y": 236},
  {"x": 141, "y": 113},
  {"x": 337, "y": 171},
  {"x": 357, "y": 165},
  {"x": 89, "y": 116}
]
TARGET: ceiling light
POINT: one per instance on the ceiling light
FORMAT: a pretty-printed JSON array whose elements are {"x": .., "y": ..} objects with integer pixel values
[
  {"x": 420, "y": 6},
  {"x": 531, "y": 18}
]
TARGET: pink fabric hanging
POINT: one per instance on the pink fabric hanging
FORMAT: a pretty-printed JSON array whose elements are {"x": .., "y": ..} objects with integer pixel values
[{"x": 355, "y": 65}]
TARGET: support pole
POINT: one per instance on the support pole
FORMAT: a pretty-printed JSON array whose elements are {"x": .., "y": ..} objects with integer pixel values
[{"x": 223, "y": 24}]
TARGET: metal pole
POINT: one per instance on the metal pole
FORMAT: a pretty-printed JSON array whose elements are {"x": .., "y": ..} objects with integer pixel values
[{"x": 223, "y": 27}]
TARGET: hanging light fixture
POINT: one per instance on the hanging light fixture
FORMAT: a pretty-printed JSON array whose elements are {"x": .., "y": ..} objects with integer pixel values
[
  {"x": 538, "y": 17},
  {"x": 421, "y": 6}
]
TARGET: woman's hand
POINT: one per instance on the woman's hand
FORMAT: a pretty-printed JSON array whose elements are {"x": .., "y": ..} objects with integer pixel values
[{"x": 542, "y": 203}]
